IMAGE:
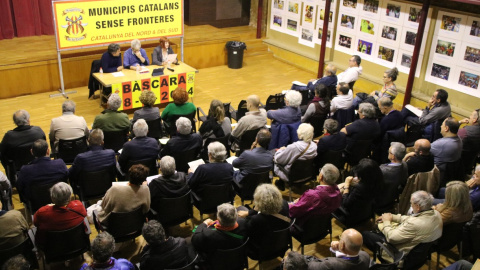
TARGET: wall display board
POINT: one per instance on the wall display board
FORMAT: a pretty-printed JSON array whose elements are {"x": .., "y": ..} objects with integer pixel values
[
  {"x": 307, "y": 30},
  {"x": 454, "y": 60},
  {"x": 319, "y": 25}
]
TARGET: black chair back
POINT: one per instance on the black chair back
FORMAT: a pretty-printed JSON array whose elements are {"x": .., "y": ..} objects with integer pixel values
[
  {"x": 182, "y": 159},
  {"x": 313, "y": 230},
  {"x": 344, "y": 116},
  {"x": 392, "y": 252},
  {"x": 126, "y": 226},
  {"x": 331, "y": 91},
  {"x": 301, "y": 171},
  {"x": 241, "y": 110},
  {"x": 212, "y": 196},
  {"x": 190, "y": 266},
  {"x": 451, "y": 236},
  {"x": 150, "y": 163},
  {"x": 360, "y": 149},
  {"x": 450, "y": 171},
  {"x": 233, "y": 259},
  {"x": 94, "y": 185},
  {"x": 171, "y": 128},
  {"x": 226, "y": 109},
  {"x": 155, "y": 128},
  {"x": 275, "y": 244},
  {"x": 317, "y": 121},
  {"x": 247, "y": 140},
  {"x": 333, "y": 157},
  {"x": 115, "y": 139},
  {"x": 67, "y": 244},
  {"x": 69, "y": 149},
  {"x": 40, "y": 195},
  {"x": 223, "y": 140},
  {"x": 417, "y": 256},
  {"x": 469, "y": 158},
  {"x": 249, "y": 183},
  {"x": 25, "y": 248},
  {"x": 275, "y": 102},
  {"x": 173, "y": 211},
  {"x": 351, "y": 84},
  {"x": 22, "y": 156}
]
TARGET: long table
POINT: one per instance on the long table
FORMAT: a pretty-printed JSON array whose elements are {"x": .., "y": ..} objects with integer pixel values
[{"x": 130, "y": 86}]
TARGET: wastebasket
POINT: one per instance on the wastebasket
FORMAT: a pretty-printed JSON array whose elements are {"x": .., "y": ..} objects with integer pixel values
[{"x": 235, "y": 53}]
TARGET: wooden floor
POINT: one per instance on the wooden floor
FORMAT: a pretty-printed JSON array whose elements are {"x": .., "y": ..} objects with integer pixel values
[{"x": 261, "y": 74}]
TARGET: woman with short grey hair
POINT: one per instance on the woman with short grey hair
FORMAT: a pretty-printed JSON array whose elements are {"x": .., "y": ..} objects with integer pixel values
[
  {"x": 140, "y": 128},
  {"x": 103, "y": 247},
  {"x": 289, "y": 114},
  {"x": 114, "y": 102},
  {"x": 62, "y": 215},
  {"x": 184, "y": 125}
]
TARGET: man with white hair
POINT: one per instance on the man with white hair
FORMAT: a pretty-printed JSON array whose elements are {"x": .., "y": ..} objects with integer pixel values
[
  {"x": 226, "y": 232},
  {"x": 406, "y": 232},
  {"x": 139, "y": 148},
  {"x": 23, "y": 135},
  {"x": 68, "y": 126},
  {"x": 184, "y": 140},
  {"x": 216, "y": 172},
  {"x": 135, "y": 56},
  {"x": 111, "y": 119}
]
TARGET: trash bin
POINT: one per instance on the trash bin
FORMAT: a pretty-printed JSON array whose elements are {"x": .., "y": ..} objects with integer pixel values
[{"x": 235, "y": 53}]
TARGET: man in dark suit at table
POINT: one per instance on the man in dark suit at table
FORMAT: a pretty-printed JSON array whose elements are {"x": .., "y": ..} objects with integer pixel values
[
  {"x": 42, "y": 170},
  {"x": 93, "y": 160}
]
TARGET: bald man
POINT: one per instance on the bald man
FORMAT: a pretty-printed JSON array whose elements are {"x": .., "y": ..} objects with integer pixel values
[
  {"x": 420, "y": 160},
  {"x": 255, "y": 117},
  {"x": 348, "y": 254}
]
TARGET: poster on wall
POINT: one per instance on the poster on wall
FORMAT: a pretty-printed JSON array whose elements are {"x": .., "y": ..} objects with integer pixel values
[
  {"x": 469, "y": 55},
  {"x": 347, "y": 23},
  {"x": 277, "y": 20},
  {"x": 293, "y": 9},
  {"x": 439, "y": 73},
  {"x": 292, "y": 27},
  {"x": 404, "y": 61},
  {"x": 306, "y": 36},
  {"x": 450, "y": 25},
  {"x": 472, "y": 30},
  {"x": 412, "y": 16},
  {"x": 386, "y": 55},
  {"x": 408, "y": 39},
  {"x": 445, "y": 49},
  {"x": 365, "y": 48},
  {"x": 345, "y": 42},
  {"x": 350, "y": 6},
  {"x": 466, "y": 81},
  {"x": 390, "y": 34},
  {"x": 393, "y": 12},
  {"x": 370, "y": 9},
  {"x": 309, "y": 14},
  {"x": 368, "y": 28},
  {"x": 319, "y": 34}
]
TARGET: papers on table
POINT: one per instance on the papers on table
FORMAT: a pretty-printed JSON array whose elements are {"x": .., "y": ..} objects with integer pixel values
[
  {"x": 298, "y": 83},
  {"x": 144, "y": 69},
  {"x": 194, "y": 164},
  {"x": 172, "y": 58},
  {"x": 118, "y": 74},
  {"x": 230, "y": 160},
  {"x": 150, "y": 178},
  {"x": 414, "y": 110}
]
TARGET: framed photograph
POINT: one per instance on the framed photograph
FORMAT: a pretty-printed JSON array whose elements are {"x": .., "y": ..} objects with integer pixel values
[
  {"x": 367, "y": 27},
  {"x": 451, "y": 25},
  {"x": 365, "y": 48},
  {"x": 308, "y": 14},
  {"x": 319, "y": 34},
  {"x": 293, "y": 27},
  {"x": 393, "y": 12},
  {"x": 277, "y": 23},
  {"x": 293, "y": 9},
  {"x": 404, "y": 61},
  {"x": 412, "y": 16},
  {"x": 350, "y": 6},
  {"x": 321, "y": 18},
  {"x": 472, "y": 29},
  {"x": 370, "y": 9},
  {"x": 390, "y": 34},
  {"x": 306, "y": 37},
  {"x": 345, "y": 42},
  {"x": 408, "y": 38},
  {"x": 346, "y": 22},
  {"x": 278, "y": 5},
  {"x": 466, "y": 81},
  {"x": 469, "y": 55},
  {"x": 439, "y": 73},
  {"x": 386, "y": 55},
  {"x": 445, "y": 48}
]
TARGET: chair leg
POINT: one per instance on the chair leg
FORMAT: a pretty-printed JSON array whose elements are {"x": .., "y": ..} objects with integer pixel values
[
  {"x": 438, "y": 260},
  {"x": 302, "y": 248}
]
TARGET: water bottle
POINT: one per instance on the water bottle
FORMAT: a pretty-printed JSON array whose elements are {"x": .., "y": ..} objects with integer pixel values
[{"x": 101, "y": 70}]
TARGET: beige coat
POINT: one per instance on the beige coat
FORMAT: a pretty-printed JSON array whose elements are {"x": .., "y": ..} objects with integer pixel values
[
  {"x": 428, "y": 181},
  {"x": 67, "y": 127}
]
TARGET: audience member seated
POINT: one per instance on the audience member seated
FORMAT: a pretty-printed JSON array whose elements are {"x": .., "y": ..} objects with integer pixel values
[
  {"x": 474, "y": 185},
  {"x": 115, "y": 200},
  {"x": 5, "y": 192},
  {"x": 23, "y": 135},
  {"x": 216, "y": 172},
  {"x": 343, "y": 100},
  {"x": 225, "y": 233},
  {"x": 319, "y": 107},
  {"x": 161, "y": 251},
  {"x": 148, "y": 112},
  {"x": 170, "y": 184},
  {"x": 348, "y": 254},
  {"x": 405, "y": 232},
  {"x": 184, "y": 140},
  {"x": 68, "y": 126},
  {"x": 14, "y": 228},
  {"x": 17, "y": 262},
  {"x": 359, "y": 193},
  {"x": 456, "y": 207},
  {"x": 438, "y": 108},
  {"x": 365, "y": 128},
  {"x": 161, "y": 52},
  {"x": 470, "y": 134},
  {"x": 353, "y": 71},
  {"x": 42, "y": 170},
  {"x": 111, "y": 119},
  {"x": 180, "y": 106},
  {"x": 392, "y": 120},
  {"x": 460, "y": 265},
  {"x": 269, "y": 214},
  {"x": 322, "y": 200},
  {"x": 93, "y": 160},
  {"x": 289, "y": 114},
  {"x": 102, "y": 249},
  {"x": 389, "y": 89},
  {"x": 217, "y": 125},
  {"x": 449, "y": 148},
  {"x": 111, "y": 61},
  {"x": 395, "y": 174},
  {"x": 63, "y": 214},
  {"x": 303, "y": 149},
  {"x": 421, "y": 160},
  {"x": 255, "y": 161},
  {"x": 329, "y": 80},
  {"x": 135, "y": 56},
  {"x": 139, "y": 148},
  {"x": 294, "y": 261},
  {"x": 331, "y": 139},
  {"x": 255, "y": 118}
]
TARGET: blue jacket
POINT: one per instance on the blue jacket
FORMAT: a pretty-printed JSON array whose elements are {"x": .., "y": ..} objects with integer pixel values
[{"x": 283, "y": 134}]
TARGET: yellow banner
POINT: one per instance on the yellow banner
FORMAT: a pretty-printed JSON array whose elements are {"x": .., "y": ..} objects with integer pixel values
[
  {"x": 89, "y": 23},
  {"x": 162, "y": 86}
]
